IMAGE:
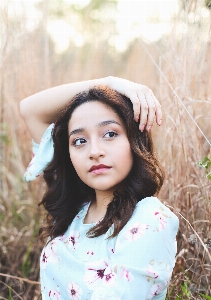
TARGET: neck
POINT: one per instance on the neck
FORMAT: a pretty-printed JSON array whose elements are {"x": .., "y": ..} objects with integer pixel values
[
  {"x": 103, "y": 198},
  {"x": 98, "y": 207}
]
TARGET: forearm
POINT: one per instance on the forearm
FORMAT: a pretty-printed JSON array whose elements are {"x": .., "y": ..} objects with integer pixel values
[
  {"x": 46, "y": 105},
  {"x": 42, "y": 109}
]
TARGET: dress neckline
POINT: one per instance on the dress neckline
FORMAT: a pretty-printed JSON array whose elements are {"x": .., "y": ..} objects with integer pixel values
[{"x": 85, "y": 210}]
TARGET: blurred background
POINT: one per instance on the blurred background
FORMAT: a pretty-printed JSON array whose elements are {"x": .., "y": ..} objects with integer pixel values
[{"x": 165, "y": 45}]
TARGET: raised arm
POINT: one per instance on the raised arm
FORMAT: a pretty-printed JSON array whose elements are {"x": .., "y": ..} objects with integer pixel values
[{"x": 42, "y": 109}]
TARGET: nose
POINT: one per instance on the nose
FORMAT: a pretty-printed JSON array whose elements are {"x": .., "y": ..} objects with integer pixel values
[{"x": 96, "y": 150}]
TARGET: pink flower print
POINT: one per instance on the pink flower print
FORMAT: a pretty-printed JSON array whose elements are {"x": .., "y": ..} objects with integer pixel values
[
  {"x": 152, "y": 272},
  {"x": 157, "y": 267},
  {"x": 109, "y": 277},
  {"x": 111, "y": 250},
  {"x": 99, "y": 273},
  {"x": 136, "y": 231},
  {"x": 126, "y": 274},
  {"x": 74, "y": 291},
  {"x": 72, "y": 240},
  {"x": 49, "y": 255},
  {"x": 54, "y": 295},
  {"x": 161, "y": 216},
  {"x": 155, "y": 290},
  {"x": 162, "y": 222}
]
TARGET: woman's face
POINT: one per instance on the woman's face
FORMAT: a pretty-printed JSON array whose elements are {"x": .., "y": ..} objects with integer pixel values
[{"x": 98, "y": 145}]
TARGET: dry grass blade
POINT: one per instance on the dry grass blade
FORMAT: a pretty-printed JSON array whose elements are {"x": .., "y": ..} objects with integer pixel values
[
  {"x": 19, "y": 297},
  {"x": 202, "y": 243},
  {"x": 19, "y": 278}
]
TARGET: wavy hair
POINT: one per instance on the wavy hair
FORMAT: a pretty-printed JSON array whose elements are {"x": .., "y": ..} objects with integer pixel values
[{"x": 66, "y": 192}]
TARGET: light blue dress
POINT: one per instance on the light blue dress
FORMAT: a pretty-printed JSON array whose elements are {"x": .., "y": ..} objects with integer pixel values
[{"x": 137, "y": 264}]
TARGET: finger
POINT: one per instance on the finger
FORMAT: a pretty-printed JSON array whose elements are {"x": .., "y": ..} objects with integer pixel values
[
  {"x": 136, "y": 105},
  {"x": 144, "y": 111},
  {"x": 158, "y": 111},
  {"x": 151, "y": 111}
]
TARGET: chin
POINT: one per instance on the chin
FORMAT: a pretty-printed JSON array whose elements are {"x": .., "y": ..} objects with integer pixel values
[
  {"x": 104, "y": 187},
  {"x": 103, "y": 184}
]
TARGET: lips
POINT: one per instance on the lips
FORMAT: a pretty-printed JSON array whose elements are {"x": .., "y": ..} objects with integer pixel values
[{"x": 98, "y": 167}]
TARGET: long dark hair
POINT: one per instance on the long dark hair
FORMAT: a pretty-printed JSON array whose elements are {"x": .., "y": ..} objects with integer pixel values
[{"x": 66, "y": 193}]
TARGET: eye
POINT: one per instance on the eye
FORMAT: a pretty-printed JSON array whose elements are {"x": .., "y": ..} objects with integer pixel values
[
  {"x": 110, "y": 134},
  {"x": 78, "y": 142}
]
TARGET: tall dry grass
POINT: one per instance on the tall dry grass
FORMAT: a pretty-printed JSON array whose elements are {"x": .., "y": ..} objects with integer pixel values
[{"x": 30, "y": 64}]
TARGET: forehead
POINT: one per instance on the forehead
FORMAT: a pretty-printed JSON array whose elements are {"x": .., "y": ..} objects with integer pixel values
[{"x": 92, "y": 113}]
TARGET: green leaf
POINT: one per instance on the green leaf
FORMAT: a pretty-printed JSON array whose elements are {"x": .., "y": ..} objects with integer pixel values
[
  {"x": 205, "y": 296},
  {"x": 205, "y": 163},
  {"x": 26, "y": 266},
  {"x": 10, "y": 293},
  {"x": 209, "y": 175},
  {"x": 185, "y": 290}
]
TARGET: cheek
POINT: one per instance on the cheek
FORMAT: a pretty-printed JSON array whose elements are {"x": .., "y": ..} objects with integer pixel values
[
  {"x": 128, "y": 158},
  {"x": 124, "y": 155},
  {"x": 77, "y": 163}
]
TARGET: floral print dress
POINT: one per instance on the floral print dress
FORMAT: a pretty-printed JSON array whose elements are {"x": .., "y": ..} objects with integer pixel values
[{"x": 137, "y": 264}]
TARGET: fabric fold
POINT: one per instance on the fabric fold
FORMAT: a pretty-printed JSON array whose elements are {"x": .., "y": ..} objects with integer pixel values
[{"x": 42, "y": 155}]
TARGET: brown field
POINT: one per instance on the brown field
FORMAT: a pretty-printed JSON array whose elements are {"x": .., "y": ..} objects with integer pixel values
[{"x": 177, "y": 68}]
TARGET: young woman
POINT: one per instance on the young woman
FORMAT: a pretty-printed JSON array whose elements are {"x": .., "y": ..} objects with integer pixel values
[{"x": 109, "y": 237}]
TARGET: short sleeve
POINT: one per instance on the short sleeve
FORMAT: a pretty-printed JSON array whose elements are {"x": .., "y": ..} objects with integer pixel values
[
  {"x": 42, "y": 155},
  {"x": 144, "y": 255}
]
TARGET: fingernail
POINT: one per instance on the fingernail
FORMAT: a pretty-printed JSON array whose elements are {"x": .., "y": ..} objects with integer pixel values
[
  {"x": 136, "y": 118},
  {"x": 160, "y": 122},
  {"x": 142, "y": 128},
  {"x": 149, "y": 128}
]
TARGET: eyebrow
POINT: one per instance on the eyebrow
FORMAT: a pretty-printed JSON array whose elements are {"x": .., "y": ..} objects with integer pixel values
[{"x": 103, "y": 123}]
